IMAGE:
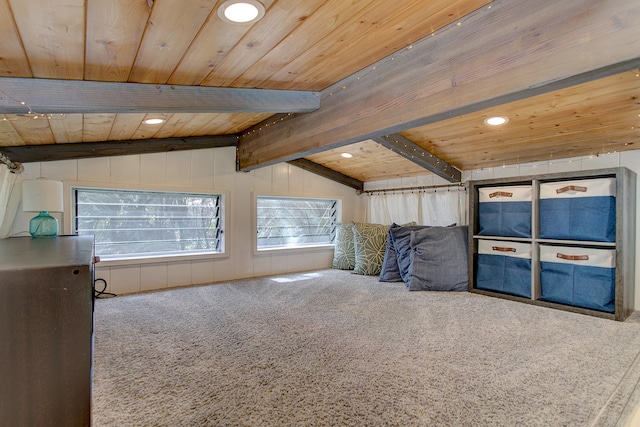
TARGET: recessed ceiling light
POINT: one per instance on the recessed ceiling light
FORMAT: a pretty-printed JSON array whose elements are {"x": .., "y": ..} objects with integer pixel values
[
  {"x": 241, "y": 12},
  {"x": 496, "y": 121},
  {"x": 154, "y": 121},
  {"x": 347, "y": 155}
]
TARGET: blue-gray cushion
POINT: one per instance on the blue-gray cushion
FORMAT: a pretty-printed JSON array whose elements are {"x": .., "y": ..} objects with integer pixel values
[
  {"x": 390, "y": 271},
  {"x": 439, "y": 259},
  {"x": 395, "y": 267}
]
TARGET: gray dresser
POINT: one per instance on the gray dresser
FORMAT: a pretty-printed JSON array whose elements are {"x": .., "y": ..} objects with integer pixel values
[{"x": 46, "y": 331}]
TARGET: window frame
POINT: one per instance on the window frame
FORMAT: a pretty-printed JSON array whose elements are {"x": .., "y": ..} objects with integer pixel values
[
  {"x": 289, "y": 249},
  {"x": 70, "y": 221}
]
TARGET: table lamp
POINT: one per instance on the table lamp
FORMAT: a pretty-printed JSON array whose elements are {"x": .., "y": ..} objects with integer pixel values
[{"x": 44, "y": 196}]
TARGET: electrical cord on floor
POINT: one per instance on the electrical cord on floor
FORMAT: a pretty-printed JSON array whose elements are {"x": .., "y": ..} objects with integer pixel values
[{"x": 99, "y": 293}]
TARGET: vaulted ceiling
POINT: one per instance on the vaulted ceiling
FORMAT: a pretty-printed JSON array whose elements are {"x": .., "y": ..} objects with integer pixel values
[{"x": 403, "y": 85}]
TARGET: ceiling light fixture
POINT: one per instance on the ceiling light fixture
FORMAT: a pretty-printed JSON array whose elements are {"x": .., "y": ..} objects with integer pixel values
[
  {"x": 241, "y": 12},
  {"x": 347, "y": 155},
  {"x": 496, "y": 121},
  {"x": 154, "y": 121}
]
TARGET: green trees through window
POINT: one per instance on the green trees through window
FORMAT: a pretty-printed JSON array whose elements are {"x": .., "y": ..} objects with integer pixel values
[
  {"x": 285, "y": 222},
  {"x": 129, "y": 224}
]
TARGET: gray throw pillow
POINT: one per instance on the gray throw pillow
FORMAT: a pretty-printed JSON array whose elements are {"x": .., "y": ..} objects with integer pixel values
[{"x": 439, "y": 259}]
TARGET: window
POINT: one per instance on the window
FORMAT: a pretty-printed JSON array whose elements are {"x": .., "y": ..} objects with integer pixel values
[
  {"x": 287, "y": 222},
  {"x": 137, "y": 224}
]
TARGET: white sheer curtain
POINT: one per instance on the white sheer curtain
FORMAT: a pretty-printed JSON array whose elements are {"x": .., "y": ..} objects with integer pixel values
[
  {"x": 9, "y": 200},
  {"x": 388, "y": 208},
  {"x": 443, "y": 206}
]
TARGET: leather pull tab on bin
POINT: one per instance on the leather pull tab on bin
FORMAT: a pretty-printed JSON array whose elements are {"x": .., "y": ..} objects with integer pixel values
[
  {"x": 500, "y": 194},
  {"x": 502, "y": 249},
  {"x": 576, "y": 188},
  {"x": 573, "y": 257}
]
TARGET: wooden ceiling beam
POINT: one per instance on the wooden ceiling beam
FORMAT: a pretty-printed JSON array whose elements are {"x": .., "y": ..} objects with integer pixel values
[
  {"x": 328, "y": 173},
  {"x": 506, "y": 51},
  {"x": 44, "y": 96},
  {"x": 418, "y": 155},
  {"x": 84, "y": 150}
]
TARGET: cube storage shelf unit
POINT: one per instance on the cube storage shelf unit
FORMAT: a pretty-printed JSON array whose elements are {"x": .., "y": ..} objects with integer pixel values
[{"x": 527, "y": 285}]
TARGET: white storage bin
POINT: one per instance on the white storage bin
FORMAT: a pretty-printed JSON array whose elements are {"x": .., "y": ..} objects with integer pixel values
[
  {"x": 579, "y": 210},
  {"x": 505, "y": 211},
  {"x": 582, "y": 277},
  {"x": 505, "y": 267}
]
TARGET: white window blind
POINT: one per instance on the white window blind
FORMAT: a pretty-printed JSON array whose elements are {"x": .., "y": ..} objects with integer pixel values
[
  {"x": 129, "y": 224},
  {"x": 286, "y": 222}
]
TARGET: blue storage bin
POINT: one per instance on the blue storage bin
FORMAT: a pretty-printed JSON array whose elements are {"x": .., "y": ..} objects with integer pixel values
[
  {"x": 504, "y": 267},
  {"x": 582, "y": 277},
  {"x": 505, "y": 211},
  {"x": 579, "y": 210}
]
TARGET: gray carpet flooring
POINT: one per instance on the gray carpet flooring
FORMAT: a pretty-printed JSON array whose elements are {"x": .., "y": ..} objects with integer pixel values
[{"x": 330, "y": 348}]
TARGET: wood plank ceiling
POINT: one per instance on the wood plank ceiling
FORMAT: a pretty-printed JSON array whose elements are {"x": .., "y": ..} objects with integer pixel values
[{"x": 312, "y": 46}]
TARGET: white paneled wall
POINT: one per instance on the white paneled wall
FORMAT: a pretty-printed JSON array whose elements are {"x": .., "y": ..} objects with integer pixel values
[
  {"x": 200, "y": 170},
  {"x": 215, "y": 169},
  {"x": 628, "y": 159}
]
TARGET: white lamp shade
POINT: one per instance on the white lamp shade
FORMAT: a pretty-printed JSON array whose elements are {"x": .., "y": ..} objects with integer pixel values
[{"x": 42, "y": 195}]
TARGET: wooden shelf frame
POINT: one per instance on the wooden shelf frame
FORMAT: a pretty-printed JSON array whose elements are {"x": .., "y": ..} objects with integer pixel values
[{"x": 624, "y": 244}]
